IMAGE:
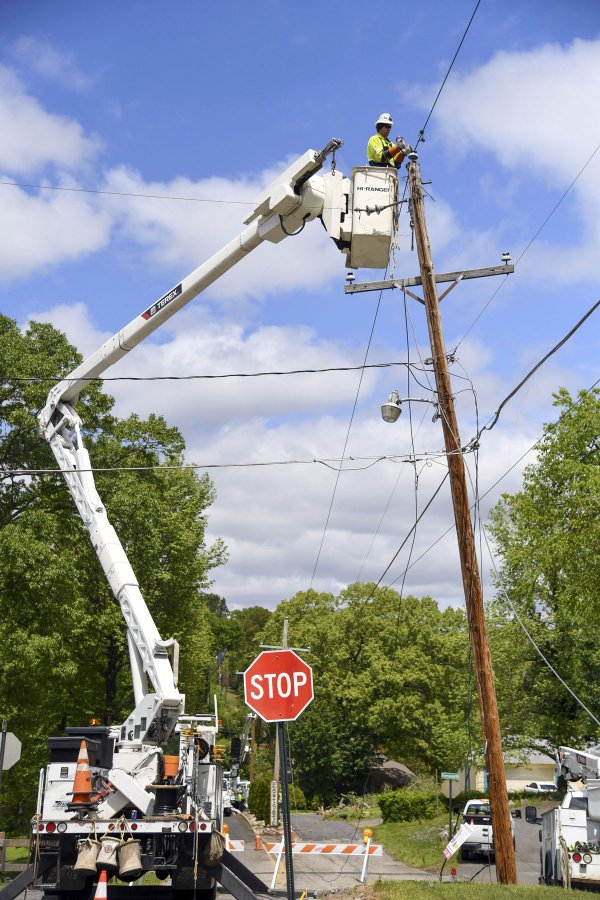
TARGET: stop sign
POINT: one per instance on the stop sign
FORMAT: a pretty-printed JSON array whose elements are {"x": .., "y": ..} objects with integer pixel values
[{"x": 278, "y": 685}]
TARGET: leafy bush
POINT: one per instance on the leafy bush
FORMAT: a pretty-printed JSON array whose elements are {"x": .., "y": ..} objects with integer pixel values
[
  {"x": 297, "y": 798},
  {"x": 405, "y": 806},
  {"x": 459, "y": 801},
  {"x": 259, "y": 798}
]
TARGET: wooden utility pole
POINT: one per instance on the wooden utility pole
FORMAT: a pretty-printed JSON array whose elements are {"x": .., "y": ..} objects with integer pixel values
[{"x": 503, "y": 845}]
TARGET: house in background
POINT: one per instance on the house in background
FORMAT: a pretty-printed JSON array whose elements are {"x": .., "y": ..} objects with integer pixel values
[{"x": 522, "y": 767}]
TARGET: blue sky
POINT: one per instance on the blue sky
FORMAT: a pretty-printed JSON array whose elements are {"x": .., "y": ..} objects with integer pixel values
[{"x": 204, "y": 101}]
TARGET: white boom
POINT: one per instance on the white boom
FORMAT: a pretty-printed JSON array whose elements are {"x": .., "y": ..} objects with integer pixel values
[{"x": 359, "y": 214}]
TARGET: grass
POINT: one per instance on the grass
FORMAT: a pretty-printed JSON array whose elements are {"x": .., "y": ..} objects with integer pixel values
[
  {"x": 413, "y": 843},
  {"x": 17, "y": 854},
  {"x": 419, "y": 890}
]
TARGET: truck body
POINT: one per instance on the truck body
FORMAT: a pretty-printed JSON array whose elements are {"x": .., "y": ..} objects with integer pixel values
[
  {"x": 570, "y": 833},
  {"x": 169, "y": 809}
]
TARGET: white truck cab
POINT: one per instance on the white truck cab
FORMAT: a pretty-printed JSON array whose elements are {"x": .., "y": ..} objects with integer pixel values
[{"x": 481, "y": 840}]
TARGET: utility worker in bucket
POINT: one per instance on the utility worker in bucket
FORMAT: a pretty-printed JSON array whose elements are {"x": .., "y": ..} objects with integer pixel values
[{"x": 383, "y": 152}]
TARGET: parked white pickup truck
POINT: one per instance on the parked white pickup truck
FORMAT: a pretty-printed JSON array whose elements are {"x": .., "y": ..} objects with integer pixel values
[{"x": 481, "y": 840}]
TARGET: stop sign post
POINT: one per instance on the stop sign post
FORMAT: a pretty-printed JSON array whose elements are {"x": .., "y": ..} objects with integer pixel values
[{"x": 278, "y": 686}]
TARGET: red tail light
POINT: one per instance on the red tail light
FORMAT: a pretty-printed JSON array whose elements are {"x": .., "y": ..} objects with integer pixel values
[
  {"x": 50, "y": 827},
  {"x": 576, "y": 857}
]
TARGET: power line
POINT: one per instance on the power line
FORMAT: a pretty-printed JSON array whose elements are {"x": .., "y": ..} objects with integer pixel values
[
  {"x": 75, "y": 190},
  {"x": 534, "y": 238},
  {"x": 422, "y": 131},
  {"x": 335, "y": 486},
  {"x": 538, "y": 365},
  {"x": 550, "y": 426},
  {"x": 532, "y": 641},
  {"x": 330, "y": 462},
  {"x": 57, "y": 378}
]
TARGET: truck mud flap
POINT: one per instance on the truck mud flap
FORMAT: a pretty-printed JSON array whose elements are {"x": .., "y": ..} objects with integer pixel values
[
  {"x": 25, "y": 879},
  {"x": 239, "y": 881}
]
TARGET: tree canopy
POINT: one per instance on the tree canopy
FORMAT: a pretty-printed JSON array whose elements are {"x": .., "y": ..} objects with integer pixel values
[
  {"x": 391, "y": 675},
  {"x": 63, "y": 646},
  {"x": 548, "y": 539}
]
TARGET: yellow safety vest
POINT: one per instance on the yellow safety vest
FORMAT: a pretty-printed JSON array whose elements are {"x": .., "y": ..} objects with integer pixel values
[{"x": 377, "y": 144}]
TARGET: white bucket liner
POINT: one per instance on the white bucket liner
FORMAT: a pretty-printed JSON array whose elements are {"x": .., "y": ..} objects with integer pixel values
[
  {"x": 107, "y": 857},
  {"x": 87, "y": 854}
]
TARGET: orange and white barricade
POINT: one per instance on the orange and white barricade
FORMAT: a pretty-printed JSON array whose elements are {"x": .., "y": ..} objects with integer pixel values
[{"x": 320, "y": 848}]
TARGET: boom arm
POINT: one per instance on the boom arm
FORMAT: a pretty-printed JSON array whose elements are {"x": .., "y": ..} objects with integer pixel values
[
  {"x": 576, "y": 765},
  {"x": 297, "y": 196}
]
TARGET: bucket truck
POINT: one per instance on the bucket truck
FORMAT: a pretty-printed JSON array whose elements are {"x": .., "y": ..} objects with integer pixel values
[
  {"x": 570, "y": 833},
  {"x": 173, "y": 805}
]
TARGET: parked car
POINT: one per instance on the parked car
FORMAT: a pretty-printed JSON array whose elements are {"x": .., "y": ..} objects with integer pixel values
[{"x": 541, "y": 787}]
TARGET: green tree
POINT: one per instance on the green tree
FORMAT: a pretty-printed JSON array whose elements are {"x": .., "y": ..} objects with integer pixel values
[
  {"x": 391, "y": 675},
  {"x": 548, "y": 539},
  {"x": 63, "y": 647}
]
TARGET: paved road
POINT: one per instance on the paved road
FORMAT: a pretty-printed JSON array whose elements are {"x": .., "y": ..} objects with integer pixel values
[{"x": 318, "y": 873}]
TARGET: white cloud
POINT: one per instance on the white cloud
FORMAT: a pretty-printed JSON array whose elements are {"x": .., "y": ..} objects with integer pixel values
[
  {"x": 33, "y": 138},
  {"x": 272, "y": 517},
  {"x": 181, "y": 235},
  {"x": 532, "y": 110},
  {"x": 40, "y": 56},
  {"x": 44, "y": 229}
]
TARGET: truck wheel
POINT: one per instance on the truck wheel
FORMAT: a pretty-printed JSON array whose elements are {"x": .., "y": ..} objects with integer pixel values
[
  {"x": 548, "y": 873},
  {"x": 464, "y": 855}
]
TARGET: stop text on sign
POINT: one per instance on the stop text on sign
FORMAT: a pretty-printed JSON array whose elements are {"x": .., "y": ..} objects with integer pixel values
[
  {"x": 278, "y": 685},
  {"x": 272, "y": 685}
]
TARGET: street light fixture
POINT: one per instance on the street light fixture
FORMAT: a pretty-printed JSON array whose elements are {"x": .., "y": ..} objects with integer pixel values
[{"x": 391, "y": 411}]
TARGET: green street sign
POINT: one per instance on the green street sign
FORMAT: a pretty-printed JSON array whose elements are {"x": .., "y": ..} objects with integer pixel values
[{"x": 450, "y": 776}]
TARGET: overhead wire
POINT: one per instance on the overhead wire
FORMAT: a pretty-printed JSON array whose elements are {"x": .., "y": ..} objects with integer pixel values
[
  {"x": 483, "y": 534},
  {"x": 36, "y": 379},
  {"x": 416, "y": 493},
  {"x": 532, "y": 240},
  {"x": 513, "y": 465},
  {"x": 538, "y": 365},
  {"x": 165, "y": 467},
  {"x": 532, "y": 641},
  {"x": 458, "y": 49},
  {"x": 337, "y": 479}
]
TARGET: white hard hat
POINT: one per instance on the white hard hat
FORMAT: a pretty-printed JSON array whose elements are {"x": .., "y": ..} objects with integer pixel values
[{"x": 384, "y": 119}]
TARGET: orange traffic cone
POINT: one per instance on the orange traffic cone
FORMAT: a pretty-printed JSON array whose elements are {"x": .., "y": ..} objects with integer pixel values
[
  {"x": 82, "y": 786},
  {"x": 257, "y": 842},
  {"x": 102, "y": 889}
]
